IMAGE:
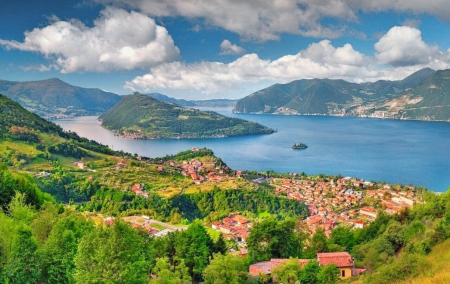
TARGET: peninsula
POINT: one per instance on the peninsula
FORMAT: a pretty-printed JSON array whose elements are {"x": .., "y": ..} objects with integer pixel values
[{"x": 141, "y": 116}]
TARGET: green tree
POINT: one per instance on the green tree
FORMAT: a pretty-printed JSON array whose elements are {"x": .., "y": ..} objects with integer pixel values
[
  {"x": 194, "y": 246},
  {"x": 328, "y": 274},
  {"x": 111, "y": 255},
  {"x": 166, "y": 274},
  {"x": 309, "y": 273},
  {"x": 272, "y": 239},
  {"x": 61, "y": 247},
  {"x": 43, "y": 222},
  {"x": 220, "y": 245},
  {"x": 225, "y": 269},
  {"x": 23, "y": 265},
  {"x": 20, "y": 210},
  {"x": 319, "y": 241},
  {"x": 287, "y": 272},
  {"x": 395, "y": 234},
  {"x": 343, "y": 236}
]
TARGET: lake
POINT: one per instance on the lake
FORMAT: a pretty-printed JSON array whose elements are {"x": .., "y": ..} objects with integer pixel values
[{"x": 394, "y": 151}]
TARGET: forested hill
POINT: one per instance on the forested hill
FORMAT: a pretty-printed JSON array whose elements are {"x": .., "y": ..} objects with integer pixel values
[
  {"x": 422, "y": 95},
  {"x": 54, "y": 98},
  {"x": 144, "y": 117}
]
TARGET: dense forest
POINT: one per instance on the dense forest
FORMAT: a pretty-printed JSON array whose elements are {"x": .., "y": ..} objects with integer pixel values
[
  {"x": 210, "y": 206},
  {"x": 149, "y": 118}
]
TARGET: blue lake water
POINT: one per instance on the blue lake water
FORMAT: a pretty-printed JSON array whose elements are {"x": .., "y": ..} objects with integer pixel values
[{"x": 394, "y": 151}]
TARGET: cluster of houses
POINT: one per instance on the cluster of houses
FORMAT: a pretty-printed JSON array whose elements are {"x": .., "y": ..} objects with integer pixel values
[
  {"x": 129, "y": 135},
  {"x": 234, "y": 227},
  {"x": 335, "y": 202},
  {"x": 343, "y": 261},
  {"x": 201, "y": 171},
  {"x": 138, "y": 189}
]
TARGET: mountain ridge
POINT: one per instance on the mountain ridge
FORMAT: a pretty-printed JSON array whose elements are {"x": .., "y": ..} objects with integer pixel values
[
  {"x": 422, "y": 95},
  {"x": 54, "y": 98}
]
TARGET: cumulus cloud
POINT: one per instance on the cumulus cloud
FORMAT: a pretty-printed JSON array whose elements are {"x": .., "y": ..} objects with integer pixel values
[
  {"x": 226, "y": 48},
  {"x": 118, "y": 40},
  {"x": 399, "y": 52},
  {"x": 259, "y": 20},
  {"x": 439, "y": 8},
  {"x": 264, "y": 20},
  {"x": 319, "y": 60},
  {"x": 403, "y": 46}
]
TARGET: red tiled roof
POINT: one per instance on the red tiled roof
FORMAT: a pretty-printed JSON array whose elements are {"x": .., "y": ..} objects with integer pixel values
[{"x": 340, "y": 259}]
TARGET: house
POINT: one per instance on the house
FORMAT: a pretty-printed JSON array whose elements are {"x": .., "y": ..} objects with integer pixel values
[
  {"x": 342, "y": 260},
  {"x": 80, "y": 164},
  {"x": 368, "y": 212}
]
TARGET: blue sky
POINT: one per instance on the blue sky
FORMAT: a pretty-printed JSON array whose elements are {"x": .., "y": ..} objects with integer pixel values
[{"x": 203, "y": 49}]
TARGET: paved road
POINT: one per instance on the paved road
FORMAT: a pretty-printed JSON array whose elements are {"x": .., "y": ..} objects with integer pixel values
[{"x": 166, "y": 225}]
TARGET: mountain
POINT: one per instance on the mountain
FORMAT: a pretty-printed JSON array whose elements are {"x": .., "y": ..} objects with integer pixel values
[
  {"x": 164, "y": 98},
  {"x": 423, "y": 95},
  {"x": 193, "y": 103},
  {"x": 141, "y": 116},
  {"x": 54, "y": 98}
]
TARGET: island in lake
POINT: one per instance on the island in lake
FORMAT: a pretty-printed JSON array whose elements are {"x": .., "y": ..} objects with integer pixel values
[{"x": 299, "y": 146}]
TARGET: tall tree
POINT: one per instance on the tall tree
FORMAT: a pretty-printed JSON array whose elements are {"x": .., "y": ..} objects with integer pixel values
[
  {"x": 328, "y": 274},
  {"x": 23, "y": 265},
  {"x": 225, "y": 269},
  {"x": 165, "y": 273},
  {"x": 111, "y": 255},
  {"x": 272, "y": 239},
  {"x": 194, "y": 246},
  {"x": 61, "y": 247},
  {"x": 309, "y": 273},
  {"x": 288, "y": 272}
]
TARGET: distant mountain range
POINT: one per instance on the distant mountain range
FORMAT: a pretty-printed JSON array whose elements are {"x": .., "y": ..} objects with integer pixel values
[
  {"x": 54, "y": 98},
  {"x": 423, "y": 95},
  {"x": 143, "y": 117},
  {"x": 194, "y": 103}
]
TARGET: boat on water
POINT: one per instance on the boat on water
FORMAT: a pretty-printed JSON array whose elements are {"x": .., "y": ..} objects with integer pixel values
[{"x": 299, "y": 146}]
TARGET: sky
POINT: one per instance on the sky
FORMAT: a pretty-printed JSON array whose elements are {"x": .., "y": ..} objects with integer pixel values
[{"x": 206, "y": 49}]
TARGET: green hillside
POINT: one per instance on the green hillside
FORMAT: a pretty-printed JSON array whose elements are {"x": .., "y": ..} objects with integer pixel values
[
  {"x": 435, "y": 95},
  {"x": 423, "y": 95},
  {"x": 54, "y": 98},
  {"x": 146, "y": 117}
]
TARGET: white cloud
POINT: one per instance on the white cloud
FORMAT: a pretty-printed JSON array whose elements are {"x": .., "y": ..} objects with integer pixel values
[
  {"x": 439, "y": 8},
  {"x": 226, "y": 48},
  {"x": 403, "y": 46},
  {"x": 264, "y": 20},
  {"x": 319, "y": 60},
  {"x": 40, "y": 68},
  {"x": 118, "y": 41},
  {"x": 259, "y": 20},
  {"x": 400, "y": 52}
]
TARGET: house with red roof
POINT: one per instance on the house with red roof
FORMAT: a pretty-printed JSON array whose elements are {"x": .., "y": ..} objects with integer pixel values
[{"x": 342, "y": 260}]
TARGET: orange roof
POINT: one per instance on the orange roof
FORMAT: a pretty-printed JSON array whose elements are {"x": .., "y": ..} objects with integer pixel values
[{"x": 340, "y": 259}]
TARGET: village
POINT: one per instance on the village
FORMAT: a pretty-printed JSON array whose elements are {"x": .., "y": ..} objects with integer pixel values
[
  {"x": 350, "y": 201},
  {"x": 331, "y": 202},
  {"x": 347, "y": 201}
]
